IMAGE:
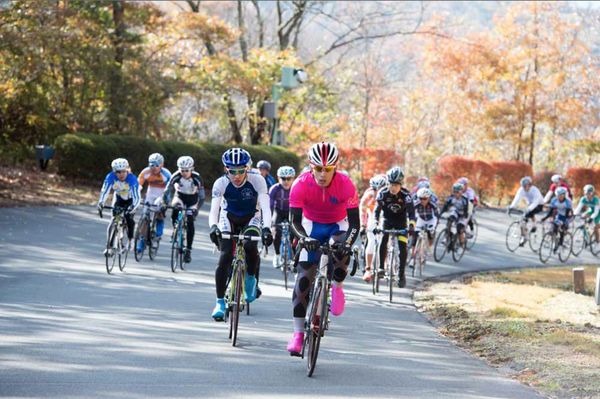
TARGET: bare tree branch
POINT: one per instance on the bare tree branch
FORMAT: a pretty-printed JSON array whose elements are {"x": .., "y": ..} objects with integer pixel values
[{"x": 261, "y": 24}]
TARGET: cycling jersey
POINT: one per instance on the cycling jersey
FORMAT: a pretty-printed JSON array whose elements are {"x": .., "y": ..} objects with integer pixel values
[
  {"x": 124, "y": 190},
  {"x": 426, "y": 212},
  {"x": 324, "y": 204},
  {"x": 279, "y": 199},
  {"x": 460, "y": 205},
  {"x": 592, "y": 208},
  {"x": 156, "y": 182},
  {"x": 367, "y": 205},
  {"x": 563, "y": 208},
  {"x": 553, "y": 188},
  {"x": 396, "y": 208},
  {"x": 533, "y": 197}
]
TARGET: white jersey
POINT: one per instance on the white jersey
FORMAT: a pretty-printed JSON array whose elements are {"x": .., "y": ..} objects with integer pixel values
[{"x": 533, "y": 197}]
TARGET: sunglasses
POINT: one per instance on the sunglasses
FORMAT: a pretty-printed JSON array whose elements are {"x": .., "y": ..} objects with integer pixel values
[
  {"x": 154, "y": 165},
  {"x": 236, "y": 172},
  {"x": 423, "y": 199},
  {"x": 286, "y": 178},
  {"x": 185, "y": 170},
  {"x": 319, "y": 168},
  {"x": 120, "y": 171}
]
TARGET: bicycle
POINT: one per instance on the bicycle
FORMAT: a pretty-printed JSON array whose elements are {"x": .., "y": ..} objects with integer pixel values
[
  {"x": 551, "y": 244},
  {"x": 447, "y": 240},
  {"x": 317, "y": 316},
  {"x": 117, "y": 243},
  {"x": 285, "y": 251},
  {"x": 146, "y": 233},
  {"x": 584, "y": 238},
  {"x": 179, "y": 238},
  {"x": 392, "y": 260},
  {"x": 519, "y": 229},
  {"x": 235, "y": 297},
  {"x": 419, "y": 253},
  {"x": 471, "y": 238}
]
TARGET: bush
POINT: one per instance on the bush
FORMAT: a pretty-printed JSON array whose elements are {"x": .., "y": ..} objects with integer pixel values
[
  {"x": 89, "y": 156},
  {"x": 507, "y": 177},
  {"x": 368, "y": 162},
  {"x": 542, "y": 180},
  {"x": 579, "y": 177},
  {"x": 451, "y": 168}
]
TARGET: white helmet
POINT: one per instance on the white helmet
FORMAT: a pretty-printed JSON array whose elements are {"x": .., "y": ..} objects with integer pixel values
[
  {"x": 378, "y": 181},
  {"x": 424, "y": 193},
  {"x": 156, "y": 159},
  {"x": 588, "y": 189},
  {"x": 119, "y": 164},
  {"x": 286, "y": 171},
  {"x": 560, "y": 191},
  {"x": 525, "y": 181},
  {"x": 323, "y": 154},
  {"x": 185, "y": 162},
  {"x": 556, "y": 179},
  {"x": 423, "y": 184}
]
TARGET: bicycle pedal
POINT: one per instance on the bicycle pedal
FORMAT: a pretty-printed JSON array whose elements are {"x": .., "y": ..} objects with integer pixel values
[{"x": 296, "y": 354}]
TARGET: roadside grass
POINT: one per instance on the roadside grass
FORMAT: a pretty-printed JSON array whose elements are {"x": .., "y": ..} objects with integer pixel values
[{"x": 524, "y": 321}]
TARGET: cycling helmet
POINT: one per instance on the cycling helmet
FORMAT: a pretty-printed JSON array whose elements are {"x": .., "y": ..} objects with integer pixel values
[
  {"x": 525, "y": 181},
  {"x": 560, "y": 191},
  {"x": 236, "y": 158},
  {"x": 588, "y": 189},
  {"x": 263, "y": 165},
  {"x": 457, "y": 187},
  {"x": 323, "y": 154},
  {"x": 463, "y": 180},
  {"x": 119, "y": 164},
  {"x": 378, "y": 181},
  {"x": 395, "y": 175},
  {"x": 422, "y": 178},
  {"x": 556, "y": 179},
  {"x": 424, "y": 193},
  {"x": 156, "y": 159},
  {"x": 286, "y": 171},
  {"x": 423, "y": 184},
  {"x": 185, "y": 162}
]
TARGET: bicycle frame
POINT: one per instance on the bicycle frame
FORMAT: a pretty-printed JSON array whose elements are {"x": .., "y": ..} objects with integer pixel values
[
  {"x": 285, "y": 250},
  {"x": 117, "y": 230}
]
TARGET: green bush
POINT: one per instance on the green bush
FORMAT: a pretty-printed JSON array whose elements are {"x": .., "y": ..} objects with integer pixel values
[{"x": 88, "y": 156}]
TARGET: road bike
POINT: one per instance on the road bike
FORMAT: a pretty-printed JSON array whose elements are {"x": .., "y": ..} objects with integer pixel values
[
  {"x": 584, "y": 238},
  {"x": 317, "y": 315},
  {"x": 551, "y": 244},
  {"x": 448, "y": 240},
  {"x": 392, "y": 259},
  {"x": 471, "y": 234},
  {"x": 145, "y": 233},
  {"x": 235, "y": 297},
  {"x": 179, "y": 238},
  {"x": 521, "y": 230},
  {"x": 286, "y": 254},
  {"x": 117, "y": 242},
  {"x": 420, "y": 252}
]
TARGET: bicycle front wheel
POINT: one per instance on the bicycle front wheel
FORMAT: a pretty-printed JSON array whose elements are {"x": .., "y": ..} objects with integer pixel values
[
  {"x": 513, "y": 236},
  {"x": 535, "y": 239},
  {"x": 317, "y": 320},
  {"x": 375, "y": 270},
  {"x": 236, "y": 304},
  {"x": 546, "y": 247},
  {"x": 123, "y": 249},
  {"x": 471, "y": 241},
  {"x": 393, "y": 271},
  {"x": 594, "y": 245},
  {"x": 441, "y": 246},
  {"x": 111, "y": 250},
  {"x": 458, "y": 249},
  {"x": 578, "y": 241},
  {"x": 176, "y": 249},
  {"x": 421, "y": 260},
  {"x": 564, "y": 250}
]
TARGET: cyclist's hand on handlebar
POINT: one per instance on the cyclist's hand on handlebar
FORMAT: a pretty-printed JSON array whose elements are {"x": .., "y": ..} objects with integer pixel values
[
  {"x": 267, "y": 237},
  {"x": 129, "y": 209},
  {"x": 342, "y": 249},
  {"x": 589, "y": 220},
  {"x": 100, "y": 206},
  {"x": 215, "y": 234},
  {"x": 376, "y": 230},
  {"x": 309, "y": 243}
]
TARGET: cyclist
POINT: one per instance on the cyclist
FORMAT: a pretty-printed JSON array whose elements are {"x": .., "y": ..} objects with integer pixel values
[
  {"x": 458, "y": 204},
  {"x": 264, "y": 167},
  {"x": 589, "y": 209},
  {"x": 189, "y": 196},
  {"x": 473, "y": 202},
  {"x": 367, "y": 220},
  {"x": 396, "y": 205},
  {"x": 427, "y": 215},
  {"x": 557, "y": 181},
  {"x": 157, "y": 177},
  {"x": 240, "y": 205},
  {"x": 562, "y": 209},
  {"x": 279, "y": 196},
  {"x": 535, "y": 203},
  {"x": 424, "y": 182},
  {"x": 323, "y": 208},
  {"x": 126, "y": 193}
]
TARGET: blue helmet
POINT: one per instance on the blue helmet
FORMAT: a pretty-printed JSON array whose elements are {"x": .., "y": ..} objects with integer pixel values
[{"x": 235, "y": 158}]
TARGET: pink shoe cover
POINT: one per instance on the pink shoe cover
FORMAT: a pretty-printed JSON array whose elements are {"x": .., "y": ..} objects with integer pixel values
[
  {"x": 295, "y": 344},
  {"x": 337, "y": 300}
]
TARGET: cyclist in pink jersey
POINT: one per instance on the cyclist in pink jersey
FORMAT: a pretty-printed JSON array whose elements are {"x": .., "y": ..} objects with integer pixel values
[{"x": 323, "y": 208}]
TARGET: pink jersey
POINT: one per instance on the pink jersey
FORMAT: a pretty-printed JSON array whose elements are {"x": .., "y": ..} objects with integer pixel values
[{"x": 323, "y": 204}]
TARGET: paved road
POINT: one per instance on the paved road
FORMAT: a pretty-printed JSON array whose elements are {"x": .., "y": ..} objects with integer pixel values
[{"x": 67, "y": 329}]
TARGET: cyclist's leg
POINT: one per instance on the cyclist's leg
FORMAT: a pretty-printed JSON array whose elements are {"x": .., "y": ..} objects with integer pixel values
[
  {"x": 383, "y": 251},
  {"x": 129, "y": 217},
  {"x": 403, "y": 253},
  {"x": 280, "y": 217},
  {"x": 177, "y": 205},
  {"x": 460, "y": 229}
]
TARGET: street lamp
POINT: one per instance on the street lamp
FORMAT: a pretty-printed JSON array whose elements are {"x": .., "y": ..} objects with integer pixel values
[{"x": 290, "y": 79}]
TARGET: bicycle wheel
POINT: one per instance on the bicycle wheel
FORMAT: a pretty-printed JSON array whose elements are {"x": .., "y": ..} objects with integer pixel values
[
  {"x": 421, "y": 260},
  {"x": 176, "y": 249},
  {"x": 546, "y": 247},
  {"x": 393, "y": 269},
  {"x": 565, "y": 249},
  {"x": 441, "y": 246},
  {"x": 578, "y": 241},
  {"x": 375, "y": 270},
  {"x": 138, "y": 240},
  {"x": 316, "y": 324},
  {"x": 237, "y": 299},
  {"x": 458, "y": 249},
  {"x": 594, "y": 245},
  {"x": 513, "y": 236},
  {"x": 471, "y": 241},
  {"x": 111, "y": 254},
  {"x": 535, "y": 239},
  {"x": 284, "y": 253},
  {"x": 153, "y": 245},
  {"x": 412, "y": 261},
  {"x": 123, "y": 248}
]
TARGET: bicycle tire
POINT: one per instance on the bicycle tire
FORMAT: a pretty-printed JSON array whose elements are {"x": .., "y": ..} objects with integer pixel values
[
  {"x": 546, "y": 247},
  {"x": 458, "y": 249},
  {"x": 136, "y": 238},
  {"x": 421, "y": 253},
  {"x": 471, "y": 241},
  {"x": 564, "y": 251},
  {"x": 182, "y": 243},
  {"x": 392, "y": 268},
  {"x": 314, "y": 341},
  {"x": 152, "y": 250},
  {"x": 110, "y": 260},
  {"x": 375, "y": 278},
  {"x": 579, "y": 241},
  {"x": 237, "y": 302},
  {"x": 535, "y": 239},
  {"x": 594, "y": 245},
  {"x": 123, "y": 252},
  {"x": 440, "y": 247},
  {"x": 513, "y": 236},
  {"x": 411, "y": 262},
  {"x": 175, "y": 248}
]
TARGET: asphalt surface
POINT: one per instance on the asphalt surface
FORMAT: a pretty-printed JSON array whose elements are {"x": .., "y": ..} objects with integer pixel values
[{"x": 68, "y": 329}]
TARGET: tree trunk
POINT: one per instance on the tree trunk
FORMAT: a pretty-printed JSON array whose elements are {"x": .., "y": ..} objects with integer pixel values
[
  {"x": 116, "y": 75},
  {"x": 261, "y": 24},
  {"x": 241, "y": 25}
]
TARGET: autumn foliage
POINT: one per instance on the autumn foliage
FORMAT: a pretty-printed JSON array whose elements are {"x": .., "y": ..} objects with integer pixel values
[
  {"x": 507, "y": 177},
  {"x": 579, "y": 177},
  {"x": 368, "y": 162}
]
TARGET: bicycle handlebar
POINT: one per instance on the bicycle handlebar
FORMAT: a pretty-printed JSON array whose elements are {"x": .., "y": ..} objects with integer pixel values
[
  {"x": 240, "y": 237},
  {"x": 391, "y": 231}
]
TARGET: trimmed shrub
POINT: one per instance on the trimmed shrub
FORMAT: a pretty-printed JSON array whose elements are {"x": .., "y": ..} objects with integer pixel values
[
  {"x": 368, "y": 162},
  {"x": 542, "y": 180},
  {"x": 507, "y": 177},
  {"x": 89, "y": 156},
  {"x": 579, "y": 177}
]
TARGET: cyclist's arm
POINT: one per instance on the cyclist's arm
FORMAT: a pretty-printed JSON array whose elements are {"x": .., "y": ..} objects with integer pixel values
[
  {"x": 296, "y": 222},
  {"x": 263, "y": 201},
  {"x": 215, "y": 204},
  {"x": 200, "y": 185},
  {"x": 363, "y": 210},
  {"x": 410, "y": 211},
  {"x": 106, "y": 186},
  {"x": 168, "y": 193},
  {"x": 577, "y": 210},
  {"x": 353, "y": 225},
  {"x": 517, "y": 199},
  {"x": 272, "y": 197},
  {"x": 135, "y": 191}
]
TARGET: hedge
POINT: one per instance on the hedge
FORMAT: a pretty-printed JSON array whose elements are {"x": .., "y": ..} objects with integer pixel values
[{"x": 89, "y": 156}]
